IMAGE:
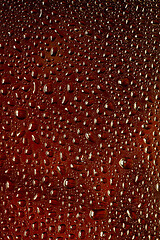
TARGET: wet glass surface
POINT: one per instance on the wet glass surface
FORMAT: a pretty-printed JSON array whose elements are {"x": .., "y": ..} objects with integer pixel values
[{"x": 80, "y": 129}]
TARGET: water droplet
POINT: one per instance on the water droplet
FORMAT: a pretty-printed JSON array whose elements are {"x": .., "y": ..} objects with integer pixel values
[
  {"x": 69, "y": 183},
  {"x": 126, "y": 163},
  {"x": 98, "y": 214},
  {"x": 48, "y": 89},
  {"x": 54, "y": 51},
  {"x": 20, "y": 113}
]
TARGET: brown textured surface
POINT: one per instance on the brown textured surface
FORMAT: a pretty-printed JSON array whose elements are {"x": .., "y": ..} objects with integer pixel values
[{"x": 80, "y": 94}]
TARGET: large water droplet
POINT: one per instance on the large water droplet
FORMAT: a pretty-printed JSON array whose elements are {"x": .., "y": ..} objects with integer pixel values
[
  {"x": 126, "y": 163},
  {"x": 69, "y": 183},
  {"x": 21, "y": 113},
  {"x": 98, "y": 214}
]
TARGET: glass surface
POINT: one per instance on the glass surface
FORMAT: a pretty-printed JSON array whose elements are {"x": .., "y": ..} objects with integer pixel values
[{"x": 80, "y": 129}]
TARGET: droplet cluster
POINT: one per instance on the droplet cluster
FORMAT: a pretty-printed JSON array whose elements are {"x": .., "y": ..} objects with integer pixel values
[{"x": 79, "y": 120}]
